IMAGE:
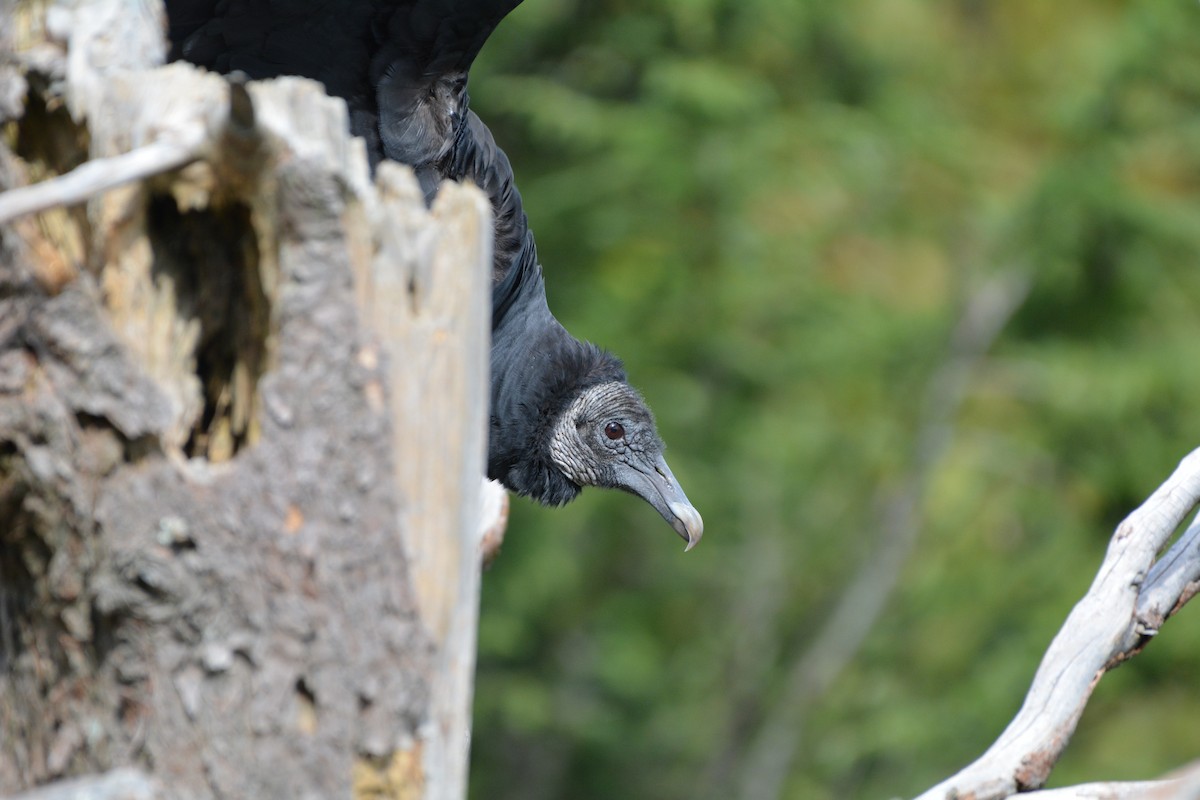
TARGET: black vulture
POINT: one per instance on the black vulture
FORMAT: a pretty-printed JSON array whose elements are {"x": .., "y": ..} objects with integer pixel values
[{"x": 563, "y": 415}]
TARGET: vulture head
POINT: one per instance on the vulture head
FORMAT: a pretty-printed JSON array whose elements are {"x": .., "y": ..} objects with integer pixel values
[
  {"x": 606, "y": 437},
  {"x": 581, "y": 424}
]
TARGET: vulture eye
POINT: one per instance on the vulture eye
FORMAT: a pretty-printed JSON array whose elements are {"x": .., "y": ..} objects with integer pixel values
[{"x": 614, "y": 430}]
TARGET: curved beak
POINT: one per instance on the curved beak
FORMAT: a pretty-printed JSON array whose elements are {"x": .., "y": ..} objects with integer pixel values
[{"x": 658, "y": 487}]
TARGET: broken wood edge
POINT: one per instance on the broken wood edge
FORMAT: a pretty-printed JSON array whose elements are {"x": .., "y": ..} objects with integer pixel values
[
  {"x": 493, "y": 521},
  {"x": 424, "y": 293},
  {"x": 1103, "y": 629}
]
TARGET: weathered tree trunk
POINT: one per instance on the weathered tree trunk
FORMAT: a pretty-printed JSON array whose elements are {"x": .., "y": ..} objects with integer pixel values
[{"x": 242, "y": 428}]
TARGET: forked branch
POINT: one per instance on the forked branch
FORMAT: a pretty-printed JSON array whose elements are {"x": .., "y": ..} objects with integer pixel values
[{"x": 1131, "y": 597}]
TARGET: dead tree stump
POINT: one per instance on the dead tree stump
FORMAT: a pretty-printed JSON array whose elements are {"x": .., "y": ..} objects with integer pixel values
[{"x": 242, "y": 429}]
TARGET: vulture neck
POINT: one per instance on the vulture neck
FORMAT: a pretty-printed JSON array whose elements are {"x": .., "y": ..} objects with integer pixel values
[{"x": 538, "y": 369}]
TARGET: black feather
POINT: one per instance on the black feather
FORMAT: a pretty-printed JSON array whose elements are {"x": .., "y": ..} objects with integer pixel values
[{"x": 402, "y": 69}]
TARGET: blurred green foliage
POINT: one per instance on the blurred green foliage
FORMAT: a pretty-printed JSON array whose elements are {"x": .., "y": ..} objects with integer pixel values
[{"x": 774, "y": 211}]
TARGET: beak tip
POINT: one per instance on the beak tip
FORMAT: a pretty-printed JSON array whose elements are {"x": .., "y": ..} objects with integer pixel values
[{"x": 690, "y": 521}]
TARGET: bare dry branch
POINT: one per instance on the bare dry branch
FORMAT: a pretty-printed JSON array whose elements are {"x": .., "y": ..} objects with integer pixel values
[
  {"x": 1122, "y": 610},
  {"x": 1172, "y": 581},
  {"x": 96, "y": 177},
  {"x": 1134, "y": 790},
  {"x": 1183, "y": 784}
]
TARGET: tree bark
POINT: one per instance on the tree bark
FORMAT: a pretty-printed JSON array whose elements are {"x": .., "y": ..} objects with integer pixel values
[{"x": 242, "y": 429}]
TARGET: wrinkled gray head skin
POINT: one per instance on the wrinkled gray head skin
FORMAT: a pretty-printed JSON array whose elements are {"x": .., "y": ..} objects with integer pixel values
[{"x": 607, "y": 438}]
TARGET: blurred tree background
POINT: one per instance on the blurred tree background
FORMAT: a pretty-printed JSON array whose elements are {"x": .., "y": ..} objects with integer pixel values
[{"x": 777, "y": 212}]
